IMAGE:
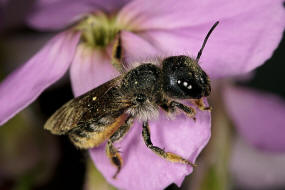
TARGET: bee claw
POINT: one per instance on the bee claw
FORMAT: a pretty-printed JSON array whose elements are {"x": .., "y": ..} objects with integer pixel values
[
  {"x": 117, "y": 172},
  {"x": 115, "y": 176},
  {"x": 192, "y": 164},
  {"x": 210, "y": 108}
]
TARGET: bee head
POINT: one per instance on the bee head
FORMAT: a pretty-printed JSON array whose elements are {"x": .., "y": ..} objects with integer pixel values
[{"x": 183, "y": 78}]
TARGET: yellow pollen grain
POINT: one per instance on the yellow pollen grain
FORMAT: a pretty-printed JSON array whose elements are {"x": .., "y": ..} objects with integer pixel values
[{"x": 94, "y": 98}]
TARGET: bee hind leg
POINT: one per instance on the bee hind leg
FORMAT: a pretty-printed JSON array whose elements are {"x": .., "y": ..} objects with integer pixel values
[
  {"x": 159, "y": 151},
  {"x": 114, "y": 156},
  {"x": 112, "y": 152}
]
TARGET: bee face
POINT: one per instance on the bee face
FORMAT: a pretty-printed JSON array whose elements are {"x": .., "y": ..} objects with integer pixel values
[{"x": 183, "y": 78}]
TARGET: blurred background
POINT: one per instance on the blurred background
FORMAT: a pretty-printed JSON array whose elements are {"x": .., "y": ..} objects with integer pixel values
[{"x": 31, "y": 158}]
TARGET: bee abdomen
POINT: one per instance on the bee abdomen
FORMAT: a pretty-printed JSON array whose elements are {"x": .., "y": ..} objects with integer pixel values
[{"x": 84, "y": 137}]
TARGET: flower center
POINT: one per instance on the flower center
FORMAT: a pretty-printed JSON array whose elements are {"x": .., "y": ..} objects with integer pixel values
[{"x": 98, "y": 30}]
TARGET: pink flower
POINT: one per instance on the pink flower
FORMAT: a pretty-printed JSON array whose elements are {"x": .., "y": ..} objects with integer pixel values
[
  {"x": 258, "y": 149},
  {"x": 258, "y": 117},
  {"x": 253, "y": 168},
  {"x": 248, "y": 33}
]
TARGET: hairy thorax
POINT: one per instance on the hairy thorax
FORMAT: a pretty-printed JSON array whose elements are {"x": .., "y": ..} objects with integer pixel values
[{"x": 143, "y": 86}]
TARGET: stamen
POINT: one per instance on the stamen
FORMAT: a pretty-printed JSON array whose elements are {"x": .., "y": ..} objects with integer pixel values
[{"x": 98, "y": 30}]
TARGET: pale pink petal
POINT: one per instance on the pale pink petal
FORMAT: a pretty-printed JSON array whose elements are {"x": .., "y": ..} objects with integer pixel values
[
  {"x": 142, "y": 169},
  {"x": 258, "y": 117},
  {"x": 106, "y": 5},
  {"x": 57, "y": 14},
  {"x": 109, "y": 6},
  {"x": 143, "y": 15},
  {"x": 136, "y": 48},
  {"x": 89, "y": 69},
  {"x": 255, "y": 169},
  {"x": 25, "y": 84},
  {"x": 247, "y": 34}
]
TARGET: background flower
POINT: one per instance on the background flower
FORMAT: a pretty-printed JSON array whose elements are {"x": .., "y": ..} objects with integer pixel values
[
  {"x": 256, "y": 169},
  {"x": 259, "y": 117}
]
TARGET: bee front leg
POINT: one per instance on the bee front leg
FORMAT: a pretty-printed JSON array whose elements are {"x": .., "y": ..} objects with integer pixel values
[
  {"x": 111, "y": 150},
  {"x": 199, "y": 103},
  {"x": 186, "y": 109},
  {"x": 166, "y": 155}
]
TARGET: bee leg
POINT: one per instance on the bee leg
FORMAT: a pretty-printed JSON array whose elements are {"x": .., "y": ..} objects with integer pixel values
[
  {"x": 117, "y": 54},
  {"x": 186, "y": 109},
  {"x": 200, "y": 104},
  {"x": 166, "y": 155},
  {"x": 111, "y": 150}
]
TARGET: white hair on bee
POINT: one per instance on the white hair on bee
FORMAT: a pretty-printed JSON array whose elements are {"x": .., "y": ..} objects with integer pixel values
[
  {"x": 133, "y": 63},
  {"x": 145, "y": 112}
]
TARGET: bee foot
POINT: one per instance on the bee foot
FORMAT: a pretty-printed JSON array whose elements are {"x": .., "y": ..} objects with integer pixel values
[{"x": 207, "y": 108}]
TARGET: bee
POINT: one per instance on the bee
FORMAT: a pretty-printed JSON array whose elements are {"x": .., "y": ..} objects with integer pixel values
[{"x": 107, "y": 112}]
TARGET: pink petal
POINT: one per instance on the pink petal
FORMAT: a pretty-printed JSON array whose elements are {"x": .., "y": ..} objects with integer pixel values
[
  {"x": 142, "y": 169},
  {"x": 258, "y": 117},
  {"x": 136, "y": 48},
  {"x": 254, "y": 169},
  {"x": 25, "y": 84},
  {"x": 143, "y": 15},
  {"x": 89, "y": 69},
  {"x": 109, "y": 6},
  {"x": 247, "y": 34},
  {"x": 57, "y": 14}
]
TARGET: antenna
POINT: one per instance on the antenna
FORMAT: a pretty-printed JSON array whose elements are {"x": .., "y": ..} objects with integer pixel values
[{"x": 205, "y": 41}]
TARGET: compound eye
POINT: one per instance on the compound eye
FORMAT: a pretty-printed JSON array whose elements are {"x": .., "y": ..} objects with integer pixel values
[{"x": 184, "y": 84}]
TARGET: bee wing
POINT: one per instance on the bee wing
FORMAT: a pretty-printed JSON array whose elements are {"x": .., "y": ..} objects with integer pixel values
[
  {"x": 105, "y": 101},
  {"x": 65, "y": 118}
]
